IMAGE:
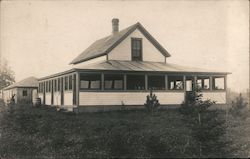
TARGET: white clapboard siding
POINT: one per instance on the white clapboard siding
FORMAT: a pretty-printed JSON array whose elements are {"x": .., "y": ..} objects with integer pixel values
[
  {"x": 57, "y": 98},
  {"x": 40, "y": 95},
  {"x": 128, "y": 98},
  {"x": 219, "y": 97},
  {"x": 48, "y": 99},
  {"x": 149, "y": 51},
  {"x": 68, "y": 98}
]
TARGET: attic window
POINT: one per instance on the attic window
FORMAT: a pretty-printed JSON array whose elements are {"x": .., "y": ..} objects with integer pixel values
[{"x": 136, "y": 49}]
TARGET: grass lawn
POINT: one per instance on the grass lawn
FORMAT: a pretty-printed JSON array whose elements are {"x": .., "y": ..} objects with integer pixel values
[{"x": 45, "y": 133}]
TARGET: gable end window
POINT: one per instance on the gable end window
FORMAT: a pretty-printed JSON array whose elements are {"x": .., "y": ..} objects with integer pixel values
[{"x": 136, "y": 49}]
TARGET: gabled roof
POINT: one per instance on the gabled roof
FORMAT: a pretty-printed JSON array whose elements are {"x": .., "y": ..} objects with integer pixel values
[
  {"x": 105, "y": 45},
  {"x": 27, "y": 82}
]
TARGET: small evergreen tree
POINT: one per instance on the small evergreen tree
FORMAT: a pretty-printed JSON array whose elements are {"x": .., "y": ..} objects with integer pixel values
[
  {"x": 207, "y": 126},
  {"x": 152, "y": 103}
]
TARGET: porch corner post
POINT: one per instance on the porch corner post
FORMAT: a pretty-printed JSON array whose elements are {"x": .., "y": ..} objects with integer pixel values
[
  {"x": 225, "y": 86},
  {"x": 77, "y": 88},
  {"x": 146, "y": 82}
]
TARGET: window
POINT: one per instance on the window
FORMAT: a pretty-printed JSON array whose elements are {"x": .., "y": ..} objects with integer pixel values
[
  {"x": 59, "y": 84},
  {"x": 90, "y": 81},
  {"x": 203, "y": 82},
  {"x": 66, "y": 83},
  {"x": 136, "y": 47},
  {"x": 113, "y": 82},
  {"x": 25, "y": 93},
  {"x": 175, "y": 82},
  {"x": 70, "y": 82},
  {"x": 218, "y": 83},
  {"x": 156, "y": 82},
  {"x": 135, "y": 82}
]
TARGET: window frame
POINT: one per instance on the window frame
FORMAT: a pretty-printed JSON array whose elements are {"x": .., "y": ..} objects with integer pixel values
[
  {"x": 214, "y": 83},
  {"x": 89, "y": 84},
  {"x": 127, "y": 84},
  {"x": 157, "y": 75},
  {"x": 133, "y": 58},
  {"x": 113, "y": 82}
]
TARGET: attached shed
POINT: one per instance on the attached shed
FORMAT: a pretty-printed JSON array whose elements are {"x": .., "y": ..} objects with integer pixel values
[{"x": 23, "y": 92}]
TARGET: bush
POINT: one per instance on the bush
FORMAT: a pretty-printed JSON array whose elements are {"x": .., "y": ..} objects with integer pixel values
[
  {"x": 152, "y": 103},
  {"x": 239, "y": 107}
]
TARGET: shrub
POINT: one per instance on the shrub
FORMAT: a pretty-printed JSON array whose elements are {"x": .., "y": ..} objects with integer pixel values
[
  {"x": 239, "y": 107},
  {"x": 152, "y": 103}
]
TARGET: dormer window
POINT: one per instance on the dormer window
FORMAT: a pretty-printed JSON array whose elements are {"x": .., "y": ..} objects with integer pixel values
[{"x": 136, "y": 49}]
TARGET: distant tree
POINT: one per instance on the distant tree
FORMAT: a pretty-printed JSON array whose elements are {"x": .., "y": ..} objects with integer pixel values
[
  {"x": 207, "y": 126},
  {"x": 7, "y": 76},
  {"x": 152, "y": 103}
]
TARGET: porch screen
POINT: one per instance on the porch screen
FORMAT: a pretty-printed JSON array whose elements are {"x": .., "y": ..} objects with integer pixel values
[
  {"x": 90, "y": 81},
  {"x": 113, "y": 81},
  {"x": 156, "y": 82},
  {"x": 218, "y": 83},
  {"x": 135, "y": 82},
  {"x": 203, "y": 82},
  {"x": 175, "y": 82}
]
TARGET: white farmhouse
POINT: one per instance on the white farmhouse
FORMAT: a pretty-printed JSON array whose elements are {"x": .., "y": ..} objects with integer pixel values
[{"x": 120, "y": 69}]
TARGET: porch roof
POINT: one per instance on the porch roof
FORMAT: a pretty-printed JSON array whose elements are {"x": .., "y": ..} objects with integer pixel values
[
  {"x": 137, "y": 66},
  {"x": 145, "y": 66}
]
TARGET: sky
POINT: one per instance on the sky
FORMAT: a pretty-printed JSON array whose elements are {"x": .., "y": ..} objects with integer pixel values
[{"x": 39, "y": 38}]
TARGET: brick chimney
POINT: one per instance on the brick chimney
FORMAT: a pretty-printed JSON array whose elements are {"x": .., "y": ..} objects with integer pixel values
[{"x": 115, "y": 25}]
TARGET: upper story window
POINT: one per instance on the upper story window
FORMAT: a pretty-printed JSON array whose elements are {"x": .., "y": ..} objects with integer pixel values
[{"x": 136, "y": 48}]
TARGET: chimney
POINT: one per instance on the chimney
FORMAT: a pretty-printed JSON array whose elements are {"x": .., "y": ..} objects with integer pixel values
[{"x": 115, "y": 25}]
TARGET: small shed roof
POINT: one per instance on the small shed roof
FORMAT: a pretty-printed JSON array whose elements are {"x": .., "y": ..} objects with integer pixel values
[
  {"x": 27, "y": 82},
  {"x": 105, "y": 45}
]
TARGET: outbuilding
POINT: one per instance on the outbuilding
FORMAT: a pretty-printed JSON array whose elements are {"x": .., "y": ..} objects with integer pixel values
[{"x": 22, "y": 92}]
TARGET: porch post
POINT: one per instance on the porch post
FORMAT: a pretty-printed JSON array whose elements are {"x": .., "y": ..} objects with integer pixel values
[
  {"x": 166, "y": 82},
  {"x": 210, "y": 83},
  {"x": 195, "y": 82},
  {"x": 102, "y": 81},
  {"x": 184, "y": 87},
  {"x": 184, "y": 83},
  {"x": 146, "y": 82},
  {"x": 125, "y": 81},
  {"x": 225, "y": 87}
]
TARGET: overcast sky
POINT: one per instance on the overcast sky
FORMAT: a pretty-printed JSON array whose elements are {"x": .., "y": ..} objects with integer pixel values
[{"x": 41, "y": 37}]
